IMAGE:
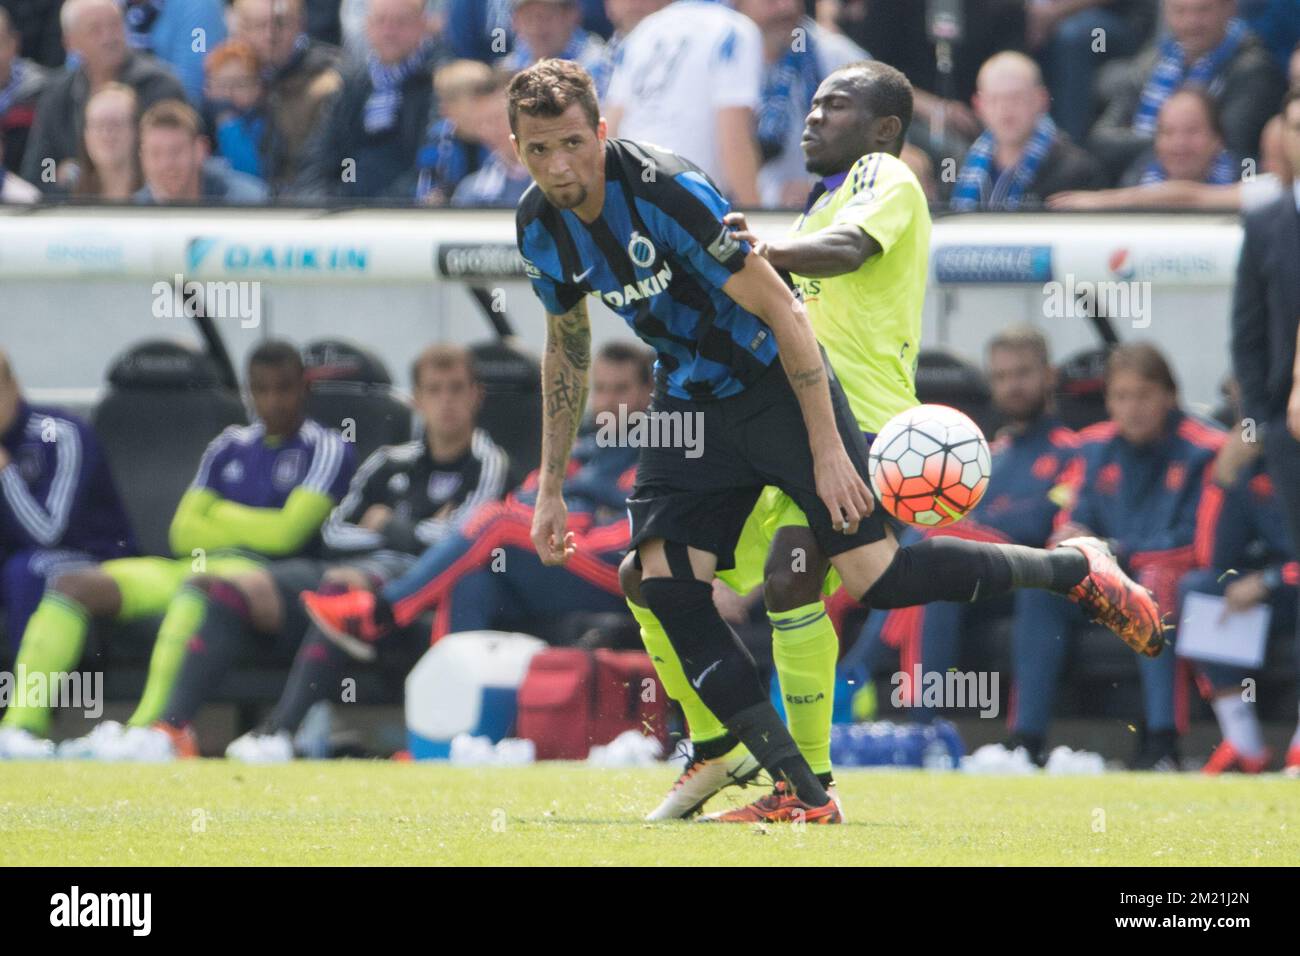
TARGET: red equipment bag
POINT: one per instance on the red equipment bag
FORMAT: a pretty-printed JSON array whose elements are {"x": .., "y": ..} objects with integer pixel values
[{"x": 573, "y": 698}]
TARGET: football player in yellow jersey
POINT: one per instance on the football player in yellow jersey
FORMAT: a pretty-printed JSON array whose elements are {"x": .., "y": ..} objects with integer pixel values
[{"x": 859, "y": 258}]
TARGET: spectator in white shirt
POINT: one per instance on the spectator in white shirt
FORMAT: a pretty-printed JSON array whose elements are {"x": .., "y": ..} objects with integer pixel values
[{"x": 689, "y": 79}]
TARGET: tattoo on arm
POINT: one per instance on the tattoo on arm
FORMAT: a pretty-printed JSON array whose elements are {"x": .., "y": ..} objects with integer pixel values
[
  {"x": 806, "y": 378},
  {"x": 564, "y": 386}
]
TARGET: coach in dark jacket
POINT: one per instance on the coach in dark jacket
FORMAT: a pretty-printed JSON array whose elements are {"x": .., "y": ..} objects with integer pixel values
[
  {"x": 96, "y": 32},
  {"x": 1266, "y": 322},
  {"x": 1229, "y": 62},
  {"x": 370, "y": 136}
]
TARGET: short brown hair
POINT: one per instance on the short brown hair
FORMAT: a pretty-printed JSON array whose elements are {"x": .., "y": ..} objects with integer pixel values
[
  {"x": 443, "y": 357},
  {"x": 1208, "y": 106},
  {"x": 1144, "y": 360},
  {"x": 171, "y": 114},
  {"x": 1021, "y": 337},
  {"x": 548, "y": 88},
  {"x": 630, "y": 353}
]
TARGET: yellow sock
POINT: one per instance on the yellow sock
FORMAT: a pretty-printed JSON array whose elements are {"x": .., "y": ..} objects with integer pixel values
[
  {"x": 804, "y": 650},
  {"x": 52, "y": 645},
  {"x": 184, "y": 615},
  {"x": 700, "y": 722}
]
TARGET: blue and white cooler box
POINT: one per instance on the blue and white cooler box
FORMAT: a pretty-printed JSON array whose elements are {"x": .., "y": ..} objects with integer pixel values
[{"x": 466, "y": 683}]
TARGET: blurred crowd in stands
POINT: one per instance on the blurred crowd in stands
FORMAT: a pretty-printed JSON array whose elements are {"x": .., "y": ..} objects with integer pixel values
[{"x": 1070, "y": 104}]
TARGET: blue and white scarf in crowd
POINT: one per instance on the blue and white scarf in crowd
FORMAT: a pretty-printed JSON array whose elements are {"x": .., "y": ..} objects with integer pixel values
[
  {"x": 1223, "y": 171},
  {"x": 444, "y": 160},
  {"x": 385, "y": 100},
  {"x": 1172, "y": 71},
  {"x": 9, "y": 92},
  {"x": 975, "y": 187},
  {"x": 788, "y": 88}
]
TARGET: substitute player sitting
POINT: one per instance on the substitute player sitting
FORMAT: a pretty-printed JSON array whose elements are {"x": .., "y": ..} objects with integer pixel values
[{"x": 261, "y": 491}]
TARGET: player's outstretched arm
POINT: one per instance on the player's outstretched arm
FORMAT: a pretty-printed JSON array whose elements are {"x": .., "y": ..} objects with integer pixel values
[
  {"x": 565, "y": 366},
  {"x": 757, "y": 288},
  {"x": 834, "y": 251}
]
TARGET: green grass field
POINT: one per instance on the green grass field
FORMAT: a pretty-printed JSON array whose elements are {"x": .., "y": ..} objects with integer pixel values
[{"x": 358, "y": 812}]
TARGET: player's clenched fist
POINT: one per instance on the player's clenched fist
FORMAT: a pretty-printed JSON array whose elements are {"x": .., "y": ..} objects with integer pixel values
[{"x": 550, "y": 518}]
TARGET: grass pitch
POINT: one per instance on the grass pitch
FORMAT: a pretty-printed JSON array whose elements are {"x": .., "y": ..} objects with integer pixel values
[{"x": 361, "y": 812}]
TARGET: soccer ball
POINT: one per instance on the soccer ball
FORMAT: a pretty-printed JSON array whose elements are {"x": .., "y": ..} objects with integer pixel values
[{"x": 929, "y": 466}]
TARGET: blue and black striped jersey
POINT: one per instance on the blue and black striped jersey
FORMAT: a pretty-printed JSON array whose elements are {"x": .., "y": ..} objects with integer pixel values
[{"x": 658, "y": 256}]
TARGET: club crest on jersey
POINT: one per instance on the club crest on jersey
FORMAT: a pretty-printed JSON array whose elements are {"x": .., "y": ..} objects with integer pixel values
[
  {"x": 233, "y": 473},
  {"x": 641, "y": 250},
  {"x": 288, "y": 466},
  {"x": 399, "y": 482},
  {"x": 443, "y": 484}
]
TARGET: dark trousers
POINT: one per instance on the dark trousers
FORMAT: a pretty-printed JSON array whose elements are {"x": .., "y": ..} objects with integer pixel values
[{"x": 1282, "y": 459}]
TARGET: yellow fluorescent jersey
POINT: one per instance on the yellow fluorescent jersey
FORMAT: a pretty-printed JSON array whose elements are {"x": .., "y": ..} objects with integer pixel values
[{"x": 869, "y": 320}]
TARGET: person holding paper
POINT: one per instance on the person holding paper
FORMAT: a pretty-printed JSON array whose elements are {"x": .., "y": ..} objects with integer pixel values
[{"x": 1247, "y": 544}]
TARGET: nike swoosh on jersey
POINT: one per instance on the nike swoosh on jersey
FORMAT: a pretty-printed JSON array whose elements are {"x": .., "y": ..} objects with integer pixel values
[{"x": 577, "y": 279}]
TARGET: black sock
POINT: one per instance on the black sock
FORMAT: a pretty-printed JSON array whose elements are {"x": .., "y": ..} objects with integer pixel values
[
  {"x": 714, "y": 660},
  {"x": 827, "y": 780},
  {"x": 210, "y": 653},
  {"x": 1057, "y": 570},
  {"x": 953, "y": 569},
  {"x": 724, "y": 675},
  {"x": 761, "y": 730},
  {"x": 715, "y": 748},
  {"x": 313, "y": 677}
]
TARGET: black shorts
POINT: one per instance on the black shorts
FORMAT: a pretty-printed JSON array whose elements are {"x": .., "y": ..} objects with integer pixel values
[{"x": 748, "y": 441}]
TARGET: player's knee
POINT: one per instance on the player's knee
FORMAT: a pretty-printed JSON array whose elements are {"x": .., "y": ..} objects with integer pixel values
[
  {"x": 680, "y": 600},
  {"x": 785, "y": 589},
  {"x": 795, "y": 570},
  {"x": 92, "y": 589},
  {"x": 629, "y": 579}
]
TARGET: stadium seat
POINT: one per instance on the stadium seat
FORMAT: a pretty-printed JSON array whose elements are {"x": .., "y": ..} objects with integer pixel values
[
  {"x": 1081, "y": 387},
  {"x": 165, "y": 402},
  {"x": 945, "y": 378},
  {"x": 350, "y": 383},
  {"x": 512, "y": 410}
]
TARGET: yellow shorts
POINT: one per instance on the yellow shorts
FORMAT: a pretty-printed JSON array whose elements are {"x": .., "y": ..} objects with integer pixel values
[
  {"x": 149, "y": 584},
  {"x": 774, "y": 510}
]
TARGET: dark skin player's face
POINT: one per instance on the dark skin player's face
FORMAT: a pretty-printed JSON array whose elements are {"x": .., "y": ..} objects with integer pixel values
[
  {"x": 840, "y": 128},
  {"x": 279, "y": 397}
]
